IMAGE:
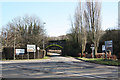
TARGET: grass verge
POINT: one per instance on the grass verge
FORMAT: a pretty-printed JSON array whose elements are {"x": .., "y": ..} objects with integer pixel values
[
  {"x": 46, "y": 57},
  {"x": 101, "y": 61}
]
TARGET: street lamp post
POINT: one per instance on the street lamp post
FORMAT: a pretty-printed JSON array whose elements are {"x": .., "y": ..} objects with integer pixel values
[
  {"x": 43, "y": 42},
  {"x": 43, "y": 38},
  {"x": 14, "y": 42}
]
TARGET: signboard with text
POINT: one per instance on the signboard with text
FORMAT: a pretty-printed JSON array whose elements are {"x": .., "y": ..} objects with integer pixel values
[
  {"x": 103, "y": 48},
  {"x": 108, "y": 46},
  {"x": 31, "y": 48},
  {"x": 20, "y": 51}
]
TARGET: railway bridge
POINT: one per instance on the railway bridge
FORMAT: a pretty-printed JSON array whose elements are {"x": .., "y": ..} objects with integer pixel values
[{"x": 55, "y": 45}]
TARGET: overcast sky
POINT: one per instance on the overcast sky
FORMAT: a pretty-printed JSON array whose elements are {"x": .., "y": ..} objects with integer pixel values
[{"x": 56, "y": 15}]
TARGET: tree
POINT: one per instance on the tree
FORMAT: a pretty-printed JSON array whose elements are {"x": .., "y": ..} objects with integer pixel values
[
  {"x": 93, "y": 22},
  {"x": 112, "y": 34},
  {"x": 7, "y": 36},
  {"x": 78, "y": 31},
  {"x": 80, "y": 22},
  {"x": 25, "y": 30}
]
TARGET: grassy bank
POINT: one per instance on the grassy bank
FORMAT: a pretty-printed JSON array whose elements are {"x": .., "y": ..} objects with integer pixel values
[{"x": 101, "y": 61}]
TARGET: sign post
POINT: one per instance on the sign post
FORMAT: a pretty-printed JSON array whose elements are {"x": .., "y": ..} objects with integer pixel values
[
  {"x": 38, "y": 51},
  {"x": 108, "y": 47},
  {"x": 92, "y": 47},
  {"x": 20, "y": 51},
  {"x": 31, "y": 48},
  {"x": 103, "y": 48},
  {"x": 22, "y": 56},
  {"x": 28, "y": 55},
  {"x": 34, "y": 55}
]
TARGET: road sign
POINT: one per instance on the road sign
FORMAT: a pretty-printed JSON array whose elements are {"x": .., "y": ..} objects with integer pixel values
[
  {"x": 108, "y": 46},
  {"x": 38, "y": 48},
  {"x": 103, "y": 48},
  {"x": 31, "y": 48},
  {"x": 20, "y": 51},
  {"x": 92, "y": 45}
]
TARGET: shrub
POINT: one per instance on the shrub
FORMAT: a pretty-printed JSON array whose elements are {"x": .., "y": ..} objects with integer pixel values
[
  {"x": 71, "y": 49},
  {"x": 8, "y": 53},
  {"x": 88, "y": 55}
]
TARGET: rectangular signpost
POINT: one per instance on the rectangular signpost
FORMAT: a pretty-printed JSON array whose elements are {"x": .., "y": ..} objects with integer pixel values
[
  {"x": 20, "y": 51},
  {"x": 108, "y": 46},
  {"x": 103, "y": 48},
  {"x": 31, "y": 48}
]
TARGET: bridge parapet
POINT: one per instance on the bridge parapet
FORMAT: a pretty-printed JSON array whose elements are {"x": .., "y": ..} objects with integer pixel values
[{"x": 57, "y": 42}]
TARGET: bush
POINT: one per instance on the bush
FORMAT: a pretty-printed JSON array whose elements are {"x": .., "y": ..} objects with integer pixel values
[
  {"x": 88, "y": 55},
  {"x": 71, "y": 49},
  {"x": 8, "y": 53},
  {"x": 118, "y": 56}
]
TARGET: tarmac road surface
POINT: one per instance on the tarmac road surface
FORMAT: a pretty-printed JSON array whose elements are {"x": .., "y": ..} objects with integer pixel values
[{"x": 57, "y": 67}]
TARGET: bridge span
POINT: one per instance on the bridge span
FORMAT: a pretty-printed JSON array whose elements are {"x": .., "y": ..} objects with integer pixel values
[{"x": 55, "y": 45}]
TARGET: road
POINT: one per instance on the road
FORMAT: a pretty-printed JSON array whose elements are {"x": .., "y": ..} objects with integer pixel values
[{"x": 56, "y": 67}]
